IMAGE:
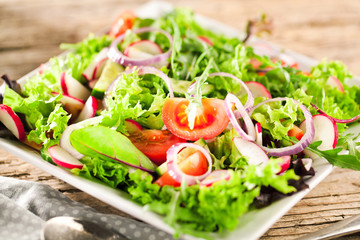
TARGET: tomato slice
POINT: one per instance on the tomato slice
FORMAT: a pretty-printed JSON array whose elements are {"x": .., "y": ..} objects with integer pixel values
[
  {"x": 296, "y": 132},
  {"x": 210, "y": 121},
  {"x": 154, "y": 143},
  {"x": 195, "y": 165},
  {"x": 122, "y": 23}
]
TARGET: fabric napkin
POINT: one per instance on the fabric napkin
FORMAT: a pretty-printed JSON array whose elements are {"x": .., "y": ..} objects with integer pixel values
[{"x": 26, "y": 206}]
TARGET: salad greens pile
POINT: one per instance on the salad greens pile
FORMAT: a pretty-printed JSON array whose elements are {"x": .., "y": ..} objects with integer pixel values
[{"x": 194, "y": 209}]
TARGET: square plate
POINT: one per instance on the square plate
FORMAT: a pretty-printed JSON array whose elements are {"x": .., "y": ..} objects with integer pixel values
[{"x": 252, "y": 225}]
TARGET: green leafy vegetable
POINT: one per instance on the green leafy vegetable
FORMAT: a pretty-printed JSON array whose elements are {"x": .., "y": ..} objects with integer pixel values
[{"x": 90, "y": 142}]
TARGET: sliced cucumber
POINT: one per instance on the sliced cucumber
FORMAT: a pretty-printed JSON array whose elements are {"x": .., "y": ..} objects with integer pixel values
[
  {"x": 110, "y": 72},
  {"x": 181, "y": 156},
  {"x": 180, "y": 87}
]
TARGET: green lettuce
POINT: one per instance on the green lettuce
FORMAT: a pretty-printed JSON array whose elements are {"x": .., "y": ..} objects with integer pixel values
[{"x": 135, "y": 97}]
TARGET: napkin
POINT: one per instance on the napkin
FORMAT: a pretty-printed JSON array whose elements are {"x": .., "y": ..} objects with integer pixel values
[{"x": 26, "y": 206}]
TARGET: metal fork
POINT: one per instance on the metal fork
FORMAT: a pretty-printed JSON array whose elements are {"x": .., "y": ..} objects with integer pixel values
[{"x": 344, "y": 227}]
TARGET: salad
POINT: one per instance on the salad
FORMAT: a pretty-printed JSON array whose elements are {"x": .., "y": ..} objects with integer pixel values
[{"x": 194, "y": 125}]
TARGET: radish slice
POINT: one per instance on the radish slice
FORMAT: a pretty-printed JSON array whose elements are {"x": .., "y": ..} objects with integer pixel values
[
  {"x": 88, "y": 111},
  {"x": 94, "y": 69},
  {"x": 353, "y": 119},
  {"x": 258, "y": 132},
  {"x": 285, "y": 164},
  {"x": 257, "y": 89},
  {"x": 229, "y": 101},
  {"x": 115, "y": 55},
  {"x": 250, "y": 99},
  {"x": 72, "y": 87},
  {"x": 335, "y": 82},
  {"x": 65, "y": 137},
  {"x": 216, "y": 176},
  {"x": 12, "y": 122},
  {"x": 305, "y": 140},
  {"x": 254, "y": 154},
  {"x": 63, "y": 158},
  {"x": 173, "y": 167},
  {"x": 71, "y": 104},
  {"x": 206, "y": 40},
  {"x": 142, "y": 49},
  {"x": 325, "y": 131},
  {"x": 132, "y": 126}
]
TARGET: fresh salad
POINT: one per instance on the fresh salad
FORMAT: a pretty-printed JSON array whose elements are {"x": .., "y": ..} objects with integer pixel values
[{"x": 196, "y": 126}]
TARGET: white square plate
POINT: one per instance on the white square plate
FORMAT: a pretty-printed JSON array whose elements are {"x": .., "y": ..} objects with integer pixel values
[{"x": 251, "y": 225}]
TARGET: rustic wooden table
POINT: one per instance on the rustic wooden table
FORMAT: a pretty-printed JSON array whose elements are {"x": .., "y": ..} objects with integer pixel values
[{"x": 32, "y": 30}]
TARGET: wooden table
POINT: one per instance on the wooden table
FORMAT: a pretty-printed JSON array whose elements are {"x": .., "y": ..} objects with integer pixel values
[{"x": 32, "y": 30}]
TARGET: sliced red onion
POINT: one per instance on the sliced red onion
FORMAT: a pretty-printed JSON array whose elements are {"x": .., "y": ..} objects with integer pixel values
[
  {"x": 229, "y": 101},
  {"x": 250, "y": 99},
  {"x": 353, "y": 119},
  {"x": 216, "y": 176},
  {"x": 173, "y": 167},
  {"x": 305, "y": 140},
  {"x": 117, "y": 56}
]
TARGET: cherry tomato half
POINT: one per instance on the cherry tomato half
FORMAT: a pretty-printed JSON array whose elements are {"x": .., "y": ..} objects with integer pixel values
[
  {"x": 210, "y": 121},
  {"x": 195, "y": 165},
  {"x": 122, "y": 23},
  {"x": 154, "y": 143}
]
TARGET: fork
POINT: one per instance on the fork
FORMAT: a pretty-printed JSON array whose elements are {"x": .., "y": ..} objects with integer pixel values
[{"x": 344, "y": 227}]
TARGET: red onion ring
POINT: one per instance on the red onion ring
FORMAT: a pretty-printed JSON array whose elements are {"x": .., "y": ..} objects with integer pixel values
[
  {"x": 229, "y": 101},
  {"x": 305, "y": 140},
  {"x": 353, "y": 119},
  {"x": 117, "y": 56},
  {"x": 250, "y": 99},
  {"x": 173, "y": 167}
]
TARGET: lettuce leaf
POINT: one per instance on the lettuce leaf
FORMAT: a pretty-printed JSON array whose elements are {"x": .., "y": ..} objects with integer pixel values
[
  {"x": 135, "y": 97},
  {"x": 277, "y": 118}
]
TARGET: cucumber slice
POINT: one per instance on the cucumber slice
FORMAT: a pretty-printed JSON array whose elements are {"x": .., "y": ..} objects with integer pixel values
[
  {"x": 180, "y": 87},
  {"x": 181, "y": 156},
  {"x": 110, "y": 72}
]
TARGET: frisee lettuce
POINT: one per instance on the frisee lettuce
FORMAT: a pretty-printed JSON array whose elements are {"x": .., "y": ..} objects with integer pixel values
[{"x": 135, "y": 97}]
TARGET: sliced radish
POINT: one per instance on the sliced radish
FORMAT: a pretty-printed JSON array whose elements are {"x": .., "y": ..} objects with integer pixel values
[
  {"x": 94, "y": 69},
  {"x": 89, "y": 110},
  {"x": 92, "y": 83},
  {"x": 206, "y": 40},
  {"x": 285, "y": 164},
  {"x": 65, "y": 137},
  {"x": 254, "y": 154},
  {"x": 325, "y": 131},
  {"x": 257, "y": 89},
  {"x": 63, "y": 158},
  {"x": 71, "y": 104},
  {"x": 258, "y": 132},
  {"x": 65, "y": 141},
  {"x": 144, "y": 49},
  {"x": 335, "y": 82},
  {"x": 72, "y": 87},
  {"x": 132, "y": 126},
  {"x": 12, "y": 122},
  {"x": 287, "y": 60},
  {"x": 216, "y": 176}
]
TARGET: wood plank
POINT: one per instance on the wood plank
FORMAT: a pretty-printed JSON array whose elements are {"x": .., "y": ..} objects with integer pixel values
[{"x": 32, "y": 30}]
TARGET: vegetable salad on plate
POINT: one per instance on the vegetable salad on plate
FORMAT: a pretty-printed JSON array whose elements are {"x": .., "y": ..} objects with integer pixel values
[{"x": 196, "y": 126}]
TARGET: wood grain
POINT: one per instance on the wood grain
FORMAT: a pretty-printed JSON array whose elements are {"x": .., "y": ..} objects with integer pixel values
[{"x": 32, "y": 30}]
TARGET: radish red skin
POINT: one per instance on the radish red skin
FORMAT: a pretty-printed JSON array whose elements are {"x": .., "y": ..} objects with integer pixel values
[
  {"x": 15, "y": 126},
  {"x": 62, "y": 158}
]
